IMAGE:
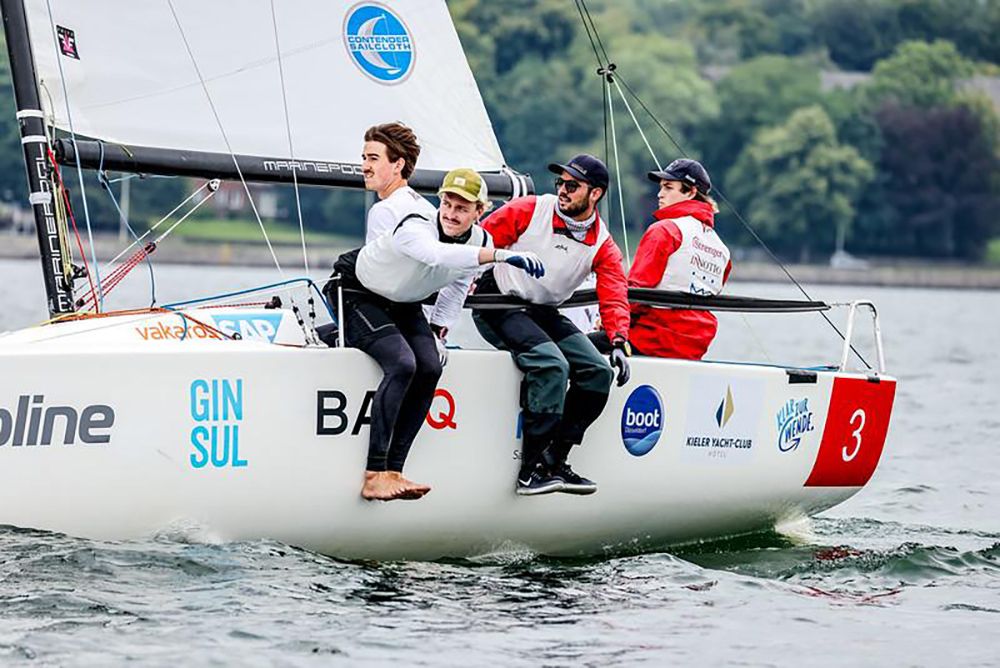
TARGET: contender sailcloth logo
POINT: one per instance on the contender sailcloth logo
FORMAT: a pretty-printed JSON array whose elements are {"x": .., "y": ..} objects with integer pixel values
[{"x": 379, "y": 42}]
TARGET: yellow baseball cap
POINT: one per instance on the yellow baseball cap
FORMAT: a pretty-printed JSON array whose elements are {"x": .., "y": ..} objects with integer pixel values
[{"x": 466, "y": 183}]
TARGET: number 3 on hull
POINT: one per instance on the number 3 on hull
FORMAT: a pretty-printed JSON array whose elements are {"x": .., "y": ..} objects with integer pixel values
[{"x": 855, "y": 432}]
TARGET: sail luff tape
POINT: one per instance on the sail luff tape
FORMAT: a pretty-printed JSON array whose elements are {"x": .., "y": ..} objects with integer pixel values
[
  {"x": 30, "y": 113},
  {"x": 34, "y": 139},
  {"x": 40, "y": 198}
]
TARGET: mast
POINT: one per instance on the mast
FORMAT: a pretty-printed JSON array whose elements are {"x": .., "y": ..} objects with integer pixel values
[{"x": 31, "y": 121}]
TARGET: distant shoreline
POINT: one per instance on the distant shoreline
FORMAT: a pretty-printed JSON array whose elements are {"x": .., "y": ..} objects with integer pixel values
[{"x": 179, "y": 251}]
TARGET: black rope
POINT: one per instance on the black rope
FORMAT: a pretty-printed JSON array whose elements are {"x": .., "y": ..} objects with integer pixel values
[{"x": 609, "y": 72}]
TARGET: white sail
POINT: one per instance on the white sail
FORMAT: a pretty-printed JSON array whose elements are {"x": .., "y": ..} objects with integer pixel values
[{"x": 149, "y": 74}]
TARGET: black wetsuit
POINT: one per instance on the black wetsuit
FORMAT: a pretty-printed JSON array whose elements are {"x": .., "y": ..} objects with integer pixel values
[{"x": 397, "y": 336}]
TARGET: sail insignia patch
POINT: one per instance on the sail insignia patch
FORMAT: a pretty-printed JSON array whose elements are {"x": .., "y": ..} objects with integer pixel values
[
  {"x": 379, "y": 43},
  {"x": 67, "y": 42}
]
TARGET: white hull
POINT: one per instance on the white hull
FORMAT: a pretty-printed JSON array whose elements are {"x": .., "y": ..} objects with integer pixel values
[{"x": 302, "y": 488}]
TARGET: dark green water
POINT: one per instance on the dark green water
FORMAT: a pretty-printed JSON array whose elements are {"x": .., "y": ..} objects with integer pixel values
[{"x": 906, "y": 573}]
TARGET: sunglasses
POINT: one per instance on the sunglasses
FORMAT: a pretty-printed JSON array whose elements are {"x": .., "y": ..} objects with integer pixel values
[{"x": 571, "y": 186}]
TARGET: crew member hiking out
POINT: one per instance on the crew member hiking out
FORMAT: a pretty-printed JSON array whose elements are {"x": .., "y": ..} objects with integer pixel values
[
  {"x": 680, "y": 250},
  {"x": 384, "y": 283},
  {"x": 565, "y": 231}
]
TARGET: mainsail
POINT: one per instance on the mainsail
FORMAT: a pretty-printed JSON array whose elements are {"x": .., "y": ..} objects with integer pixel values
[{"x": 191, "y": 75}]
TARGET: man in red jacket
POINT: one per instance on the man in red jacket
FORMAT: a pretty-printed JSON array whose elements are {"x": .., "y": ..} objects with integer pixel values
[
  {"x": 566, "y": 233},
  {"x": 679, "y": 251}
]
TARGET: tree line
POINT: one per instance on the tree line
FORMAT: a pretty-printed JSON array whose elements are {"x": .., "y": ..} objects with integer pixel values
[{"x": 903, "y": 162}]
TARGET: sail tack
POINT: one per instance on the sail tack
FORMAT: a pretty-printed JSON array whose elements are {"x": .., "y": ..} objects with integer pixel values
[{"x": 207, "y": 76}]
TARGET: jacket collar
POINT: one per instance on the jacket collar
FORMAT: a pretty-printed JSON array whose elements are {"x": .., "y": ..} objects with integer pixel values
[{"x": 700, "y": 211}]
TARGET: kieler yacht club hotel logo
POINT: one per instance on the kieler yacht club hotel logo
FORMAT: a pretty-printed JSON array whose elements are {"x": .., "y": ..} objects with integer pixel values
[{"x": 379, "y": 42}]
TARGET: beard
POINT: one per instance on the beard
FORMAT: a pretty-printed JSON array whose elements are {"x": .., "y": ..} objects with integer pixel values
[{"x": 573, "y": 210}]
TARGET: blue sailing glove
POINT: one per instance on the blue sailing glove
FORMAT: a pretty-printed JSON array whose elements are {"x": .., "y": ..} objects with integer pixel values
[
  {"x": 525, "y": 260},
  {"x": 620, "y": 352}
]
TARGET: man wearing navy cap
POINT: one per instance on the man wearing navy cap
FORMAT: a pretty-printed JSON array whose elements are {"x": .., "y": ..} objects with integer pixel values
[
  {"x": 681, "y": 251},
  {"x": 567, "y": 234}
]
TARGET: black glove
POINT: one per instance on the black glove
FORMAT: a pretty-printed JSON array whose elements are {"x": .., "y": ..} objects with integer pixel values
[{"x": 620, "y": 352}]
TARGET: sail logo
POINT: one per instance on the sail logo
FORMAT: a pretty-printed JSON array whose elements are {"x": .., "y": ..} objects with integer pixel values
[
  {"x": 793, "y": 420},
  {"x": 67, "y": 42},
  {"x": 642, "y": 420},
  {"x": 379, "y": 42}
]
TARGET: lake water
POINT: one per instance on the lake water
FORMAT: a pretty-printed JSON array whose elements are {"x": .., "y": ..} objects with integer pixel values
[{"x": 906, "y": 573}]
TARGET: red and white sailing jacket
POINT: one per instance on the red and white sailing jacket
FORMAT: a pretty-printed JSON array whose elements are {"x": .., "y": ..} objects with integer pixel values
[
  {"x": 679, "y": 251},
  {"x": 531, "y": 224}
]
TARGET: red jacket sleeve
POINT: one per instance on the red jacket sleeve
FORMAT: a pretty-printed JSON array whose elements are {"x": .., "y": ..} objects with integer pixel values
[
  {"x": 657, "y": 245},
  {"x": 510, "y": 221},
  {"x": 612, "y": 290},
  {"x": 729, "y": 269}
]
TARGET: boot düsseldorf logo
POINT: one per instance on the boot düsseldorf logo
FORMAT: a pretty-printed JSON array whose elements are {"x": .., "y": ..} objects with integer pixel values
[
  {"x": 379, "y": 42},
  {"x": 642, "y": 420}
]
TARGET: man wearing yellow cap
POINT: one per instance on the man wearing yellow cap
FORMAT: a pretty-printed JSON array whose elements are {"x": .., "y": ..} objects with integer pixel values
[{"x": 385, "y": 282}]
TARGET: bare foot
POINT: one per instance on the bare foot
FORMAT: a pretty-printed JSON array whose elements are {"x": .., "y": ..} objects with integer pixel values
[
  {"x": 382, "y": 486},
  {"x": 411, "y": 490}
]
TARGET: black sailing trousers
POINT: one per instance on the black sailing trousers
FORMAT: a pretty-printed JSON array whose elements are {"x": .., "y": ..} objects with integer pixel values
[
  {"x": 551, "y": 352},
  {"x": 398, "y": 338}
]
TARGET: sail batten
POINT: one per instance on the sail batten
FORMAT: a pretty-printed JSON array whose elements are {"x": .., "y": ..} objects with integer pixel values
[{"x": 346, "y": 64}]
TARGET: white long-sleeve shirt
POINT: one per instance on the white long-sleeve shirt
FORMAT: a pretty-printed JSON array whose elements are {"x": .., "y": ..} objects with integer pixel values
[
  {"x": 411, "y": 263},
  {"x": 386, "y": 214}
]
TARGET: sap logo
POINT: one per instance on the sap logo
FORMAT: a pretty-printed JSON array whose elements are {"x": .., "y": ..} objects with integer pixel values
[
  {"x": 216, "y": 407},
  {"x": 642, "y": 420},
  {"x": 379, "y": 42},
  {"x": 794, "y": 419},
  {"x": 256, "y": 327},
  {"x": 33, "y": 423}
]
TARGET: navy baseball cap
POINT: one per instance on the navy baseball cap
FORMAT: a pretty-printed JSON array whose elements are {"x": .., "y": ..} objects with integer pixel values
[
  {"x": 586, "y": 168},
  {"x": 688, "y": 171}
]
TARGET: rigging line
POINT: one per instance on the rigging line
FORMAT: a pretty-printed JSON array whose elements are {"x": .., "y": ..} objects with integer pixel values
[
  {"x": 102, "y": 178},
  {"x": 635, "y": 120},
  {"x": 589, "y": 18},
  {"x": 180, "y": 220},
  {"x": 153, "y": 228},
  {"x": 746, "y": 224},
  {"x": 79, "y": 168},
  {"x": 593, "y": 44},
  {"x": 72, "y": 218},
  {"x": 288, "y": 131},
  {"x": 225, "y": 137},
  {"x": 618, "y": 177}
]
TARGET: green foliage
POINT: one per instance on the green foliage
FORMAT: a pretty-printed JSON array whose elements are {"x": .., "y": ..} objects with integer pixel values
[
  {"x": 993, "y": 252},
  {"x": 799, "y": 184},
  {"x": 920, "y": 74},
  {"x": 755, "y": 94}
]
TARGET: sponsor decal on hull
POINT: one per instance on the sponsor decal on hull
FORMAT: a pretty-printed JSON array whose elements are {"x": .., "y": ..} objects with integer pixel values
[
  {"x": 642, "y": 420},
  {"x": 854, "y": 435},
  {"x": 216, "y": 407},
  {"x": 794, "y": 420},
  {"x": 34, "y": 422},
  {"x": 722, "y": 419},
  {"x": 334, "y": 416}
]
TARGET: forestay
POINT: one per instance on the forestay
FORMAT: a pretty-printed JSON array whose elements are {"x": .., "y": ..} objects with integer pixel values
[{"x": 130, "y": 78}]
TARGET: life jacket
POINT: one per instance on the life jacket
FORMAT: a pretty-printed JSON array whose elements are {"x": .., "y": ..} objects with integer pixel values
[{"x": 567, "y": 261}]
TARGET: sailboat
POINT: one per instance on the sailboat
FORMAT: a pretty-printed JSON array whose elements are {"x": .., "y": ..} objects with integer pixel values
[{"x": 236, "y": 421}]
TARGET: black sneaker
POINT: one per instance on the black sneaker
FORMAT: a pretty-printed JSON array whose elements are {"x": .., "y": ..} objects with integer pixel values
[
  {"x": 573, "y": 483},
  {"x": 538, "y": 481}
]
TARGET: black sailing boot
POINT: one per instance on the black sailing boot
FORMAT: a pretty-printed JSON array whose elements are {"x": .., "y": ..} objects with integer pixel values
[
  {"x": 573, "y": 483},
  {"x": 535, "y": 477}
]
